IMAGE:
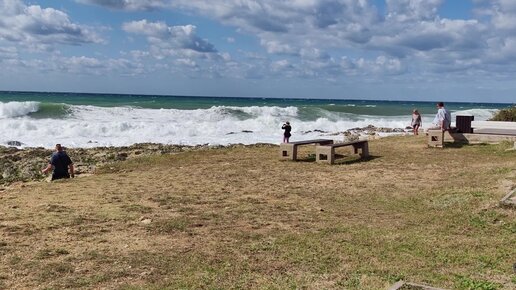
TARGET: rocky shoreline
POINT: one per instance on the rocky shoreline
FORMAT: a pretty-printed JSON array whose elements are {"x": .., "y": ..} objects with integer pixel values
[
  {"x": 26, "y": 164},
  {"x": 356, "y": 133}
]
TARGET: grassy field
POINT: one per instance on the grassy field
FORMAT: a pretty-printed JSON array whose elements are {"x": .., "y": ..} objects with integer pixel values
[{"x": 239, "y": 218}]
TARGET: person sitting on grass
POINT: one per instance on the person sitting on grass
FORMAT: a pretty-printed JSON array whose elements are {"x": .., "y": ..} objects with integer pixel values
[{"x": 61, "y": 164}]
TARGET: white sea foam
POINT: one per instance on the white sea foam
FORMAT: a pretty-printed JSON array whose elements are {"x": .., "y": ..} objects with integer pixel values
[
  {"x": 480, "y": 114},
  {"x": 17, "y": 109},
  {"x": 260, "y": 111},
  {"x": 90, "y": 126}
]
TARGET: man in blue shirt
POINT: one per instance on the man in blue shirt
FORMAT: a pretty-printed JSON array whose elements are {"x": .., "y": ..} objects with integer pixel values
[{"x": 61, "y": 163}]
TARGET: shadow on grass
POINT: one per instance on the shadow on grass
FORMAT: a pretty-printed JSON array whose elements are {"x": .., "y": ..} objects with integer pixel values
[
  {"x": 455, "y": 144},
  {"x": 307, "y": 158},
  {"x": 340, "y": 159},
  {"x": 352, "y": 159},
  {"x": 466, "y": 144}
]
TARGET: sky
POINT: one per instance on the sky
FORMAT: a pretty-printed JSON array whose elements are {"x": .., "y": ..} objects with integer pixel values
[{"x": 419, "y": 50}]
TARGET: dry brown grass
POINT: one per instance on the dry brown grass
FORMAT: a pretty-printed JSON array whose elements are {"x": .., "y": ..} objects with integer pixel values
[{"x": 241, "y": 219}]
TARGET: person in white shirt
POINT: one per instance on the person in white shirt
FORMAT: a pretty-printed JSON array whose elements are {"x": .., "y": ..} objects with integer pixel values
[{"x": 442, "y": 119}]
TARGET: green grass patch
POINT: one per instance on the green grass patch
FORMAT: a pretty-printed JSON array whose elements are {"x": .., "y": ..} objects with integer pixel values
[
  {"x": 49, "y": 253},
  {"x": 56, "y": 269},
  {"x": 467, "y": 283},
  {"x": 168, "y": 226},
  {"x": 137, "y": 208}
]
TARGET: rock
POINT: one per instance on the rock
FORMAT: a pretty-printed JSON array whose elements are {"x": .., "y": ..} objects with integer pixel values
[
  {"x": 14, "y": 143},
  {"x": 145, "y": 220},
  {"x": 26, "y": 164},
  {"x": 320, "y": 131},
  {"x": 351, "y": 137},
  {"x": 122, "y": 156}
]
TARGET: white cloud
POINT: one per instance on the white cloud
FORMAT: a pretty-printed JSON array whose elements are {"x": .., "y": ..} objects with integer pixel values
[
  {"x": 186, "y": 62},
  {"x": 161, "y": 35},
  {"x": 275, "y": 46},
  {"x": 503, "y": 51},
  {"x": 74, "y": 65},
  {"x": 179, "y": 50},
  {"x": 507, "y": 5},
  {"x": 8, "y": 52},
  {"x": 280, "y": 65},
  {"x": 412, "y": 10},
  {"x": 83, "y": 65},
  {"x": 503, "y": 13},
  {"x": 430, "y": 35},
  {"x": 326, "y": 39},
  {"x": 339, "y": 21},
  {"x": 131, "y": 5},
  {"x": 40, "y": 28}
]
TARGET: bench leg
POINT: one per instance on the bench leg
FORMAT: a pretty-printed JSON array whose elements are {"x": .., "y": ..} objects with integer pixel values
[
  {"x": 332, "y": 156},
  {"x": 324, "y": 154},
  {"x": 288, "y": 151},
  {"x": 320, "y": 154},
  {"x": 365, "y": 150},
  {"x": 435, "y": 138},
  {"x": 294, "y": 152}
]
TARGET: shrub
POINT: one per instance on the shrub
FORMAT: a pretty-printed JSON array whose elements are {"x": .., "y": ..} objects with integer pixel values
[{"x": 508, "y": 114}]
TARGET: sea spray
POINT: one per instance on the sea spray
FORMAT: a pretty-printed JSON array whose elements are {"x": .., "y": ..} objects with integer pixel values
[
  {"x": 99, "y": 120},
  {"x": 17, "y": 109}
]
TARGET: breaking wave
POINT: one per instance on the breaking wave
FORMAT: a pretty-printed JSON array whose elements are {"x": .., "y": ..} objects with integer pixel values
[
  {"x": 17, "y": 109},
  {"x": 36, "y": 124}
]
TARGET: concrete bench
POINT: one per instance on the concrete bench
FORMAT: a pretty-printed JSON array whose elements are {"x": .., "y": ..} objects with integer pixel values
[
  {"x": 289, "y": 150},
  {"x": 481, "y": 132},
  {"x": 435, "y": 137},
  {"x": 494, "y": 127},
  {"x": 494, "y": 131},
  {"x": 493, "y": 124},
  {"x": 326, "y": 153}
]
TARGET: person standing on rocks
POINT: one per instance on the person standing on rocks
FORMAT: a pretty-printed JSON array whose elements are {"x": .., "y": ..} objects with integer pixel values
[
  {"x": 61, "y": 164},
  {"x": 286, "y": 134}
]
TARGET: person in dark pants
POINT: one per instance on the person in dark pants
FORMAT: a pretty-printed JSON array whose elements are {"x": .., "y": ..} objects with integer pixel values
[
  {"x": 61, "y": 164},
  {"x": 416, "y": 121},
  {"x": 286, "y": 134},
  {"x": 443, "y": 118}
]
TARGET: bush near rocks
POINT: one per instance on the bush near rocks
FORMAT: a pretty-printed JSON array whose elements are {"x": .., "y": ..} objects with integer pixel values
[{"x": 508, "y": 115}]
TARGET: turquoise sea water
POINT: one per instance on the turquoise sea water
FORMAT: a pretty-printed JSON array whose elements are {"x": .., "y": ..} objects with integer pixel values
[
  {"x": 54, "y": 102},
  {"x": 39, "y": 118}
]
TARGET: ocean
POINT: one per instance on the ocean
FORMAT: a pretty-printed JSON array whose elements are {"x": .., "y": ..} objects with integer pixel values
[{"x": 42, "y": 119}]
